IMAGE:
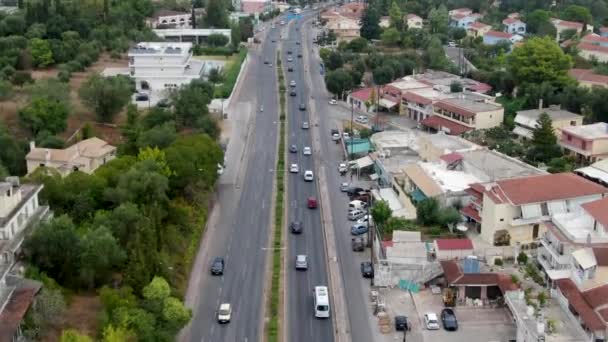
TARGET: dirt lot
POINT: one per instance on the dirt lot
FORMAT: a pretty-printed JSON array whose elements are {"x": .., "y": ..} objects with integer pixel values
[
  {"x": 82, "y": 315},
  {"x": 79, "y": 114}
]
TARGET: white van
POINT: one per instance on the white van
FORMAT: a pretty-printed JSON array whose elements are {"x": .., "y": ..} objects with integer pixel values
[
  {"x": 356, "y": 204},
  {"x": 321, "y": 301}
]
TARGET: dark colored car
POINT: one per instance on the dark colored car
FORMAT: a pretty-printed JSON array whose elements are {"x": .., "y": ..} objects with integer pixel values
[
  {"x": 289, "y": 52},
  {"x": 357, "y": 244},
  {"x": 401, "y": 323},
  {"x": 352, "y": 191},
  {"x": 141, "y": 97},
  {"x": 299, "y": 55},
  {"x": 296, "y": 227},
  {"x": 297, "y": 43},
  {"x": 290, "y": 69},
  {"x": 448, "y": 318},
  {"x": 367, "y": 270},
  {"x": 293, "y": 149},
  {"x": 217, "y": 267},
  {"x": 292, "y": 93},
  {"x": 302, "y": 106},
  {"x": 266, "y": 62},
  {"x": 164, "y": 103}
]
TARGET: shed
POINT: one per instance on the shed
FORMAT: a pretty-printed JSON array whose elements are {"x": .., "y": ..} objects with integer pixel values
[{"x": 448, "y": 249}]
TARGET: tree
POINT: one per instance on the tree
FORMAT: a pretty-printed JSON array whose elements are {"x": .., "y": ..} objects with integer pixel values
[
  {"x": 383, "y": 75},
  {"x": 338, "y": 81},
  {"x": 51, "y": 89},
  {"x": 562, "y": 164},
  {"x": 215, "y": 76},
  {"x": 578, "y": 13},
  {"x": 544, "y": 145},
  {"x": 396, "y": 16},
  {"x": 158, "y": 156},
  {"x": 436, "y": 55},
  {"x": 46, "y": 311},
  {"x": 42, "y": 114},
  {"x": 40, "y": 50},
  {"x": 390, "y": 37},
  {"x": 358, "y": 44},
  {"x": 106, "y": 95},
  {"x": 539, "y": 22},
  {"x": 159, "y": 136},
  {"x": 116, "y": 334},
  {"x": 235, "y": 35},
  {"x": 101, "y": 254},
  {"x": 22, "y": 77},
  {"x": 540, "y": 60},
  {"x": 438, "y": 20},
  {"x": 455, "y": 87},
  {"x": 6, "y": 90},
  {"x": 216, "y": 14},
  {"x": 71, "y": 335},
  {"x": 370, "y": 23},
  {"x": 381, "y": 212},
  {"x": 333, "y": 60},
  {"x": 427, "y": 211},
  {"x": 191, "y": 102},
  {"x": 217, "y": 39}
]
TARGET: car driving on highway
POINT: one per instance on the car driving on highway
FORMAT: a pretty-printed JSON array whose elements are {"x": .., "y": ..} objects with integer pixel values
[
  {"x": 217, "y": 266},
  {"x": 294, "y": 168},
  {"x": 308, "y": 176},
  {"x": 224, "y": 313}
]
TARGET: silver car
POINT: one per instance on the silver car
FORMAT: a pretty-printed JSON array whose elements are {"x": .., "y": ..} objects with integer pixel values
[
  {"x": 301, "y": 262},
  {"x": 355, "y": 214}
]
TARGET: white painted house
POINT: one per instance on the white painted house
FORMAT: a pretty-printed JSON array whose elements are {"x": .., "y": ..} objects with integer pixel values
[
  {"x": 19, "y": 211},
  {"x": 161, "y": 66},
  {"x": 170, "y": 19}
]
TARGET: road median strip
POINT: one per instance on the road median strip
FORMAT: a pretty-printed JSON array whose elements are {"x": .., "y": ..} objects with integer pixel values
[{"x": 274, "y": 300}]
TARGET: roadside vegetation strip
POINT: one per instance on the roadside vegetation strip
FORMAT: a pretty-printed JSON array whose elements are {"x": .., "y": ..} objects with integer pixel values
[
  {"x": 230, "y": 75},
  {"x": 273, "y": 329}
]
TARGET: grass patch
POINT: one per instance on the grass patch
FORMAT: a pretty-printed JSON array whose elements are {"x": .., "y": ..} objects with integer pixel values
[
  {"x": 274, "y": 299},
  {"x": 231, "y": 73}
]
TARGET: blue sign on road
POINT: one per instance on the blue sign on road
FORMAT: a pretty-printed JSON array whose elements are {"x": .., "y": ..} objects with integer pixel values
[{"x": 291, "y": 16}]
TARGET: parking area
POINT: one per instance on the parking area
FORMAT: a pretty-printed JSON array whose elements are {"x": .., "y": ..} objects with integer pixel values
[{"x": 474, "y": 323}]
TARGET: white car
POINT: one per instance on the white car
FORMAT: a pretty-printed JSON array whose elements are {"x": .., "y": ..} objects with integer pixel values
[
  {"x": 366, "y": 218},
  {"x": 301, "y": 262},
  {"x": 342, "y": 168},
  {"x": 452, "y": 43},
  {"x": 224, "y": 313},
  {"x": 292, "y": 83},
  {"x": 335, "y": 137},
  {"x": 294, "y": 168},
  {"x": 305, "y": 125},
  {"x": 289, "y": 59},
  {"x": 430, "y": 321},
  {"x": 220, "y": 169},
  {"x": 362, "y": 119},
  {"x": 344, "y": 186},
  {"x": 308, "y": 176},
  {"x": 307, "y": 151},
  {"x": 333, "y": 102}
]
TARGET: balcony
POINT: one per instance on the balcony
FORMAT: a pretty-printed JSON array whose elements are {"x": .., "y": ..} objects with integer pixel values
[
  {"x": 555, "y": 255},
  {"x": 520, "y": 221}
]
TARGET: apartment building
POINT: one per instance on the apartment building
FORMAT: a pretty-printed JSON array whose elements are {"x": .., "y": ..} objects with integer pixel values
[
  {"x": 345, "y": 28},
  {"x": 170, "y": 19},
  {"x": 588, "y": 143},
  {"x": 514, "y": 26},
  {"x": 527, "y": 120},
  {"x": 467, "y": 112},
  {"x": 20, "y": 210},
  {"x": 417, "y": 104},
  {"x": 514, "y": 210},
  {"x": 85, "y": 156}
]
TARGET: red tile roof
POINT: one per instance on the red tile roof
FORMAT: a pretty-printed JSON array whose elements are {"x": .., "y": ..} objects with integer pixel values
[
  {"x": 597, "y": 296},
  {"x": 458, "y": 16},
  {"x": 513, "y": 15},
  {"x": 440, "y": 123},
  {"x": 569, "y": 24},
  {"x": 14, "y": 312},
  {"x": 604, "y": 314},
  {"x": 599, "y": 210},
  {"x": 451, "y": 270},
  {"x": 478, "y": 25},
  {"x": 477, "y": 279},
  {"x": 471, "y": 212},
  {"x": 451, "y": 157},
  {"x": 594, "y": 38},
  {"x": 362, "y": 94},
  {"x": 542, "y": 188},
  {"x": 603, "y": 29},
  {"x": 453, "y": 244},
  {"x": 601, "y": 255},
  {"x": 592, "y": 47},
  {"x": 498, "y": 34},
  {"x": 455, "y": 276},
  {"x": 587, "y": 75},
  {"x": 416, "y": 98},
  {"x": 576, "y": 299},
  {"x": 479, "y": 87},
  {"x": 509, "y": 21},
  {"x": 413, "y": 16}
]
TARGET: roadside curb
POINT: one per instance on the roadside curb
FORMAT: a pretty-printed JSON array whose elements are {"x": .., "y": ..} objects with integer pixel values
[{"x": 340, "y": 320}]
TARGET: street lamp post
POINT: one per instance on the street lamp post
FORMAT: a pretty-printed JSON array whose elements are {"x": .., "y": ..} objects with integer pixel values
[
  {"x": 370, "y": 229},
  {"x": 352, "y": 114}
]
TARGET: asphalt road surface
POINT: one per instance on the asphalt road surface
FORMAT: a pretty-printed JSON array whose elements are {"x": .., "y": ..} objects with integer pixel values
[
  {"x": 241, "y": 231},
  {"x": 302, "y": 324},
  {"x": 356, "y": 289}
]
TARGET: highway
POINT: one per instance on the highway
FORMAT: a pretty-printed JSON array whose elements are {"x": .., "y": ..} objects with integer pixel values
[
  {"x": 301, "y": 323},
  {"x": 239, "y": 227},
  {"x": 356, "y": 289}
]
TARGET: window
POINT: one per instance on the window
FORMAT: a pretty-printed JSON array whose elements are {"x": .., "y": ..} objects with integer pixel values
[
  {"x": 569, "y": 137},
  {"x": 572, "y": 123},
  {"x": 502, "y": 220}
]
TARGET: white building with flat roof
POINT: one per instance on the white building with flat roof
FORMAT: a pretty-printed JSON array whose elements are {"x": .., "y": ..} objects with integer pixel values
[
  {"x": 157, "y": 67},
  {"x": 191, "y": 35}
]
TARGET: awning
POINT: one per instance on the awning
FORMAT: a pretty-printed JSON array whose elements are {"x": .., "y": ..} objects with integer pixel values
[
  {"x": 448, "y": 126},
  {"x": 594, "y": 173},
  {"x": 388, "y": 104},
  {"x": 363, "y": 162},
  {"x": 373, "y": 176},
  {"x": 522, "y": 132}
]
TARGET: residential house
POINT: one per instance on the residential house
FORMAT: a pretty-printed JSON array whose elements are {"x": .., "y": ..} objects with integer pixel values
[
  {"x": 390, "y": 97},
  {"x": 527, "y": 120},
  {"x": 405, "y": 257},
  {"x": 495, "y": 37},
  {"x": 472, "y": 284},
  {"x": 588, "y": 143},
  {"x": 463, "y": 19},
  {"x": 413, "y": 21},
  {"x": 596, "y": 172},
  {"x": 195, "y": 36},
  {"x": 385, "y": 22},
  {"x": 256, "y": 6},
  {"x": 478, "y": 29},
  {"x": 564, "y": 25},
  {"x": 513, "y": 210},
  {"x": 568, "y": 232},
  {"x": 450, "y": 249},
  {"x": 431, "y": 147},
  {"x": 467, "y": 112},
  {"x": 360, "y": 99},
  {"x": 514, "y": 15},
  {"x": 158, "y": 67},
  {"x": 417, "y": 104},
  {"x": 345, "y": 28},
  {"x": 449, "y": 178},
  {"x": 462, "y": 10},
  {"x": 86, "y": 156},
  {"x": 20, "y": 210},
  {"x": 588, "y": 78},
  {"x": 442, "y": 80},
  {"x": 593, "y": 52},
  {"x": 514, "y": 26},
  {"x": 170, "y": 19}
]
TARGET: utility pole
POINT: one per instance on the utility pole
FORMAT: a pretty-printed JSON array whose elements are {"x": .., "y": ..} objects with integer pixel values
[
  {"x": 352, "y": 114},
  {"x": 370, "y": 229}
]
